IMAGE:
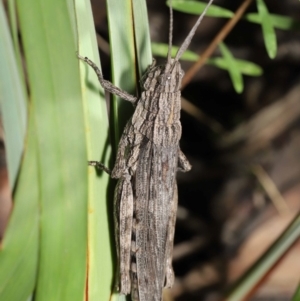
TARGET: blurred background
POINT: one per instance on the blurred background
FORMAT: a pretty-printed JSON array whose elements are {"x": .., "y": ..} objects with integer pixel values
[{"x": 244, "y": 188}]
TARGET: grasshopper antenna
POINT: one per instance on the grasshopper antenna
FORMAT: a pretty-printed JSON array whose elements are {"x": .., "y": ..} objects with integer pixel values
[
  {"x": 188, "y": 39},
  {"x": 170, "y": 33}
]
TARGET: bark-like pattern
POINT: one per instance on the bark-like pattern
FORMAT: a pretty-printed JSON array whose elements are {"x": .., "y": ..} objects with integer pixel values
[
  {"x": 146, "y": 195},
  {"x": 154, "y": 210}
]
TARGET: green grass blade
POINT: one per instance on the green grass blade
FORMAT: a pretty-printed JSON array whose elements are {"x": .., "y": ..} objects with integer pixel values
[
  {"x": 235, "y": 74},
  {"x": 123, "y": 59},
  {"x": 267, "y": 28},
  {"x": 19, "y": 249},
  {"x": 130, "y": 51},
  {"x": 196, "y": 8},
  {"x": 100, "y": 262},
  {"x": 53, "y": 73},
  {"x": 15, "y": 37},
  {"x": 12, "y": 101},
  {"x": 142, "y": 36},
  {"x": 245, "y": 67},
  {"x": 258, "y": 270}
]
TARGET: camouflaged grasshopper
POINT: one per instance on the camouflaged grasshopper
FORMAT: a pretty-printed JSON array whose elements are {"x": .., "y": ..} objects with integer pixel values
[{"x": 147, "y": 160}]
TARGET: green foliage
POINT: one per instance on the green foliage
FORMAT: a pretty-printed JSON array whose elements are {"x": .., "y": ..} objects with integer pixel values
[
  {"x": 58, "y": 241},
  {"x": 267, "y": 28},
  {"x": 235, "y": 75},
  {"x": 232, "y": 65},
  {"x": 267, "y": 21},
  {"x": 19, "y": 249}
]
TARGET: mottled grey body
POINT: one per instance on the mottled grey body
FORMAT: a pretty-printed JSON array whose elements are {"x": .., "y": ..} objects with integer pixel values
[{"x": 147, "y": 160}]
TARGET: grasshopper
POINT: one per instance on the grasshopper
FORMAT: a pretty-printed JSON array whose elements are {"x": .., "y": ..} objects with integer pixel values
[{"x": 148, "y": 158}]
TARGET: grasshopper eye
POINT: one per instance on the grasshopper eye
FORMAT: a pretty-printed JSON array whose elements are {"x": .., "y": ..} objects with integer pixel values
[{"x": 162, "y": 79}]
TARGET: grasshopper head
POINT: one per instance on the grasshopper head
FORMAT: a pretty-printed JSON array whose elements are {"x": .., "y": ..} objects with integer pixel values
[
  {"x": 172, "y": 76},
  {"x": 164, "y": 78}
]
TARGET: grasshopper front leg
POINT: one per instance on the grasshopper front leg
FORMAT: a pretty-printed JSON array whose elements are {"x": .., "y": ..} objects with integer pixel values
[
  {"x": 108, "y": 86},
  {"x": 99, "y": 165}
]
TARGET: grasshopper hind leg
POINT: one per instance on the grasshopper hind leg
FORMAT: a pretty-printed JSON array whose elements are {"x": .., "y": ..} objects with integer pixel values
[
  {"x": 123, "y": 202},
  {"x": 170, "y": 242}
]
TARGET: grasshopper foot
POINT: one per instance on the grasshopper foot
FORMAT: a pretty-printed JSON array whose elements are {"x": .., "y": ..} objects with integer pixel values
[{"x": 99, "y": 165}]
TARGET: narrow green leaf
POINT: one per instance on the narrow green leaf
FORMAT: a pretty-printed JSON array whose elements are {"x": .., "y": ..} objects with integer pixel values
[
  {"x": 196, "y": 8},
  {"x": 15, "y": 37},
  {"x": 263, "y": 265},
  {"x": 49, "y": 43},
  {"x": 278, "y": 21},
  {"x": 267, "y": 28},
  {"x": 142, "y": 36},
  {"x": 19, "y": 249},
  {"x": 12, "y": 101},
  {"x": 245, "y": 67},
  {"x": 100, "y": 271},
  {"x": 123, "y": 59},
  {"x": 235, "y": 74}
]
